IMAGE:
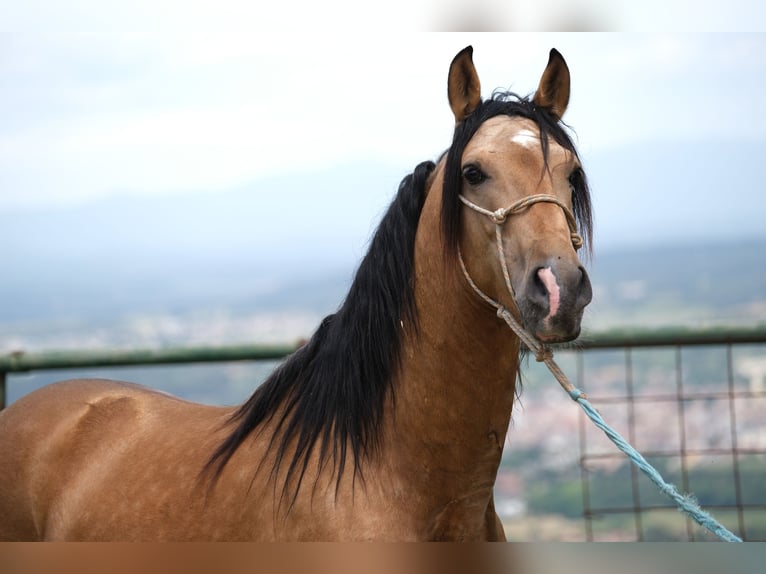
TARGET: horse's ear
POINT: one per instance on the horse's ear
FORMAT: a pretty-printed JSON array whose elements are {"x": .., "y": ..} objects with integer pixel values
[
  {"x": 553, "y": 91},
  {"x": 463, "y": 87}
]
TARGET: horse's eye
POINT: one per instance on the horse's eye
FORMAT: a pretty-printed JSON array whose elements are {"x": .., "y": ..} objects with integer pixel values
[
  {"x": 473, "y": 175},
  {"x": 575, "y": 179}
]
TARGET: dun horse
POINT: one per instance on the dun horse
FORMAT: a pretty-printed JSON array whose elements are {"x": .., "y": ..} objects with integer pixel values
[{"x": 389, "y": 424}]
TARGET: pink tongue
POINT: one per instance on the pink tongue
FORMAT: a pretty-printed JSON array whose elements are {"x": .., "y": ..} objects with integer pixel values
[{"x": 549, "y": 280}]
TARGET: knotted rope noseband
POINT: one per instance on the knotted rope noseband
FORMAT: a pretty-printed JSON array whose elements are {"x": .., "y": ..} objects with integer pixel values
[
  {"x": 542, "y": 352},
  {"x": 499, "y": 217}
]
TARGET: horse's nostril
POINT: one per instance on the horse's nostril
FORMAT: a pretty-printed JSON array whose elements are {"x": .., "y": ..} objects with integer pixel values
[
  {"x": 585, "y": 291},
  {"x": 537, "y": 291}
]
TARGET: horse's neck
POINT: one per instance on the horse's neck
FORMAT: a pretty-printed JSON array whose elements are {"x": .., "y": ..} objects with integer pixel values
[{"x": 454, "y": 396}]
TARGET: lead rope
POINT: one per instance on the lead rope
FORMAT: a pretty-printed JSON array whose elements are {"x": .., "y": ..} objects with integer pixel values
[{"x": 685, "y": 502}]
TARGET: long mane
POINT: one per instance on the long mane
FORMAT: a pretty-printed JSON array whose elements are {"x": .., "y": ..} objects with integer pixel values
[
  {"x": 509, "y": 104},
  {"x": 332, "y": 391}
]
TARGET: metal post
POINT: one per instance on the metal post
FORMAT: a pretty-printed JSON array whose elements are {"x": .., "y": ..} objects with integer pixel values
[
  {"x": 735, "y": 444},
  {"x": 2, "y": 389},
  {"x": 630, "y": 399}
]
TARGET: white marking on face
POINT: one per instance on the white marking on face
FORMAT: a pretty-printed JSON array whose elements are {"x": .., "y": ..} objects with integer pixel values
[
  {"x": 526, "y": 138},
  {"x": 554, "y": 292}
]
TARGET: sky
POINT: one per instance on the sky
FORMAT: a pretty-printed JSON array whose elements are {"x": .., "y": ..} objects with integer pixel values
[
  {"x": 146, "y": 142},
  {"x": 145, "y": 99},
  {"x": 170, "y": 97}
]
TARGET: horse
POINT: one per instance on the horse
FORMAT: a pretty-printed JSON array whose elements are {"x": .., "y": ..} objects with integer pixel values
[{"x": 389, "y": 423}]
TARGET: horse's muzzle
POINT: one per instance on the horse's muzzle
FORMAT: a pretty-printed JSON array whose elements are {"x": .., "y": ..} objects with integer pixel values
[{"x": 552, "y": 300}]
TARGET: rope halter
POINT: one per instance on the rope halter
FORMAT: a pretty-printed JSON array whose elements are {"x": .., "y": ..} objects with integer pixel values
[
  {"x": 542, "y": 352},
  {"x": 499, "y": 217}
]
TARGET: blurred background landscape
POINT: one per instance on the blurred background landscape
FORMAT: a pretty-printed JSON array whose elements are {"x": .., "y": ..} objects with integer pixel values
[
  {"x": 113, "y": 298},
  {"x": 172, "y": 188}
]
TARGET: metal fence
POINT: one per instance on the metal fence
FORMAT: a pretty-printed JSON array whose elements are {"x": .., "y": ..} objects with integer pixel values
[
  {"x": 692, "y": 400},
  {"x": 694, "y": 404},
  {"x": 20, "y": 362}
]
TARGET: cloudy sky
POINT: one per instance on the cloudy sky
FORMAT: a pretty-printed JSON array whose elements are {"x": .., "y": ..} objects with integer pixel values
[
  {"x": 156, "y": 98},
  {"x": 149, "y": 139},
  {"x": 167, "y": 101}
]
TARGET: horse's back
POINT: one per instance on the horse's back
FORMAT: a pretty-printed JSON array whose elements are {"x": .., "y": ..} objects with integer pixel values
[{"x": 58, "y": 444}]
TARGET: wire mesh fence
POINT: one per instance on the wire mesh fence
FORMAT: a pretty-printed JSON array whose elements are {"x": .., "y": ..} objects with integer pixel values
[{"x": 696, "y": 412}]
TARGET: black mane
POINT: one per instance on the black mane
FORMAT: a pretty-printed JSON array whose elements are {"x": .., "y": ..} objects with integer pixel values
[
  {"x": 509, "y": 104},
  {"x": 332, "y": 391}
]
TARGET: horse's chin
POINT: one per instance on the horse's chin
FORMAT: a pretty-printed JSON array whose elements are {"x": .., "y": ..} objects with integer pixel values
[
  {"x": 562, "y": 330},
  {"x": 554, "y": 338}
]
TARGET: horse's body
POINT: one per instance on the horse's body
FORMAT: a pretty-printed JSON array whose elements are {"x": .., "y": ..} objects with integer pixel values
[{"x": 389, "y": 423}]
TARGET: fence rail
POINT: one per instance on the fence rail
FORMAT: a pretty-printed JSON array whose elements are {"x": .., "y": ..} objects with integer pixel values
[
  {"x": 683, "y": 396},
  {"x": 672, "y": 336},
  {"x": 21, "y": 361}
]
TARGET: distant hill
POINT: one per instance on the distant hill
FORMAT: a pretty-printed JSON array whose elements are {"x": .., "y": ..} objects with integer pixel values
[
  {"x": 722, "y": 283},
  {"x": 692, "y": 284},
  {"x": 663, "y": 193},
  {"x": 184, "y": 251},
  {"x": 679, "y": 237}
]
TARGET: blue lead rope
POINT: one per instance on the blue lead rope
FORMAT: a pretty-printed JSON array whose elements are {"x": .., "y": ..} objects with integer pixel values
[
  {"x": 685, "y": 502},
  {"x": 543, "y": 354}
]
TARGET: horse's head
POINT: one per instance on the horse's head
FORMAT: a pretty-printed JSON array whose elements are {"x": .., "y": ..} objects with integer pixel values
[{"x": 516, "y": 205}]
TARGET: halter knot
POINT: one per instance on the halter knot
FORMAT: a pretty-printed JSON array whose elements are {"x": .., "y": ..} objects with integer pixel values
[
  {"x": 499, "y": 216},
  {"x": 543, "y": 353}
]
